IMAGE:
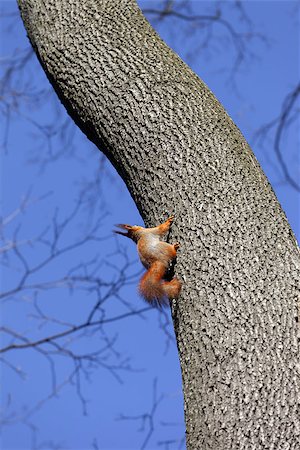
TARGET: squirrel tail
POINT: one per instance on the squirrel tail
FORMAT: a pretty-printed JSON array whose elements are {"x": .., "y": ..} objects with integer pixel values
[{"x": 154, "y": 289}]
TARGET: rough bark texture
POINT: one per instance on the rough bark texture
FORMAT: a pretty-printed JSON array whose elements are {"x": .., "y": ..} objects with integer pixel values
[{"x": 179, "y": 152}]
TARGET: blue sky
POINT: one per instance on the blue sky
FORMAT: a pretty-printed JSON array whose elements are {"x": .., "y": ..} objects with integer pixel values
[{"x": 51, "y": 173}]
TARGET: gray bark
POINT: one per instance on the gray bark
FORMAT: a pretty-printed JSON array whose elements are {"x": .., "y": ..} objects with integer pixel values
[{"x": 179, "y": 152}]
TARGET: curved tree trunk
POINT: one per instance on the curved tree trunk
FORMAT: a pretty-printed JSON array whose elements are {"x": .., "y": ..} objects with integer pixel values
[{"x": 179, "y": 152}]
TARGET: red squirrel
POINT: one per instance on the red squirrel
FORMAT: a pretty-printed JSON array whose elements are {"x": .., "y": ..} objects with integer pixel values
[{"x": 156, "y": 256}]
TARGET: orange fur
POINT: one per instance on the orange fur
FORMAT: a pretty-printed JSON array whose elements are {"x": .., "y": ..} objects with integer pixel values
[{"x": 157, "y": 257}]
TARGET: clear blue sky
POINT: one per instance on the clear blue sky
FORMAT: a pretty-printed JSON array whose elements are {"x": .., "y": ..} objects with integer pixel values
[{"x": 52, "y": 176}]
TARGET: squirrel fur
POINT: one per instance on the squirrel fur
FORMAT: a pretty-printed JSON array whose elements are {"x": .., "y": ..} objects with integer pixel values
[{"x": 157, "y": 257}]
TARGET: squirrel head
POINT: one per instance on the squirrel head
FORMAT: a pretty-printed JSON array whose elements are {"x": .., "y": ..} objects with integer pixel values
[{"x": 133, "y": 232}]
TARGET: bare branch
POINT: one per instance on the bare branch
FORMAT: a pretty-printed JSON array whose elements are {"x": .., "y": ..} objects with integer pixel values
[
  {"x": 147, "y": 420},
  {"x": 288, "y": 115},
  {"x": 72, "y": 330},
  {"x": 240, "y": 40}
]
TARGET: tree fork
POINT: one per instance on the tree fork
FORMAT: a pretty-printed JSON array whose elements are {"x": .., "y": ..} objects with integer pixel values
[{"x": 178, "y": 151}]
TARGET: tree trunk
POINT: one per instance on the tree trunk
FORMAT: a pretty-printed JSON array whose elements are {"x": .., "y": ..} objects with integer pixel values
[{"x": 236, "y": 321}]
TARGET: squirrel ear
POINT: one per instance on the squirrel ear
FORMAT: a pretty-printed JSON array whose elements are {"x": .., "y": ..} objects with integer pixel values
[
  {"x": 120, "y": 232},
  {"x": 124, "y": 227}
]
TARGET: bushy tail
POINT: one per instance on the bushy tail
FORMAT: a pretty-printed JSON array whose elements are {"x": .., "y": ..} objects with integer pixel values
[{"x": 154, "y": 289}]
